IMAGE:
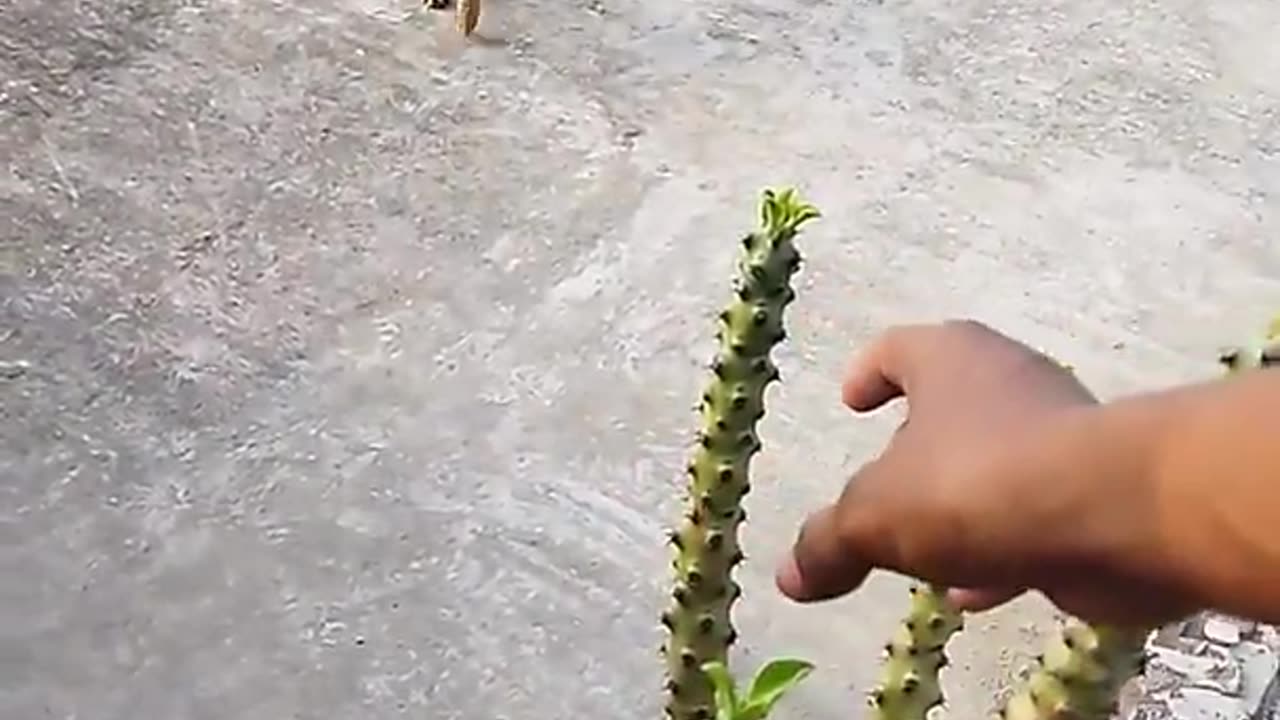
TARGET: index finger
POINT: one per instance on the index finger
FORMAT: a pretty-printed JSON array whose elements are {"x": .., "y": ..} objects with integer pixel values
[{"x": 884, "y": 369}]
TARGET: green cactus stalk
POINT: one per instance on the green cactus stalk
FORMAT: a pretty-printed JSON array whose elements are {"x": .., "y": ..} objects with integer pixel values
[
  {"x": 699, "y": 626},
  {"x": 909, "y": 684}
]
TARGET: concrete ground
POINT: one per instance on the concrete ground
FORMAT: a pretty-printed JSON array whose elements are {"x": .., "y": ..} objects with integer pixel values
[{"x": 346, "y": 371}]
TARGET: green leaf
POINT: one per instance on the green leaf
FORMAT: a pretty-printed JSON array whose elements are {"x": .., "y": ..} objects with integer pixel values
[
  {"x": 722, "y": 682},
  {"x": 773, "y": 681},
  {"x": 805, "y": 213},
  {"x": 768, "y": 211}
]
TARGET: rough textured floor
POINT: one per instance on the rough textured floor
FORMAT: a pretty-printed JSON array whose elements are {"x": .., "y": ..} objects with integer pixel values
[{"x": 346, "y": 371}]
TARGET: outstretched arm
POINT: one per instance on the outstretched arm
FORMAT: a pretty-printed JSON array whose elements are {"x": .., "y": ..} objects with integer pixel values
[{"x": 1009, "y": 475}]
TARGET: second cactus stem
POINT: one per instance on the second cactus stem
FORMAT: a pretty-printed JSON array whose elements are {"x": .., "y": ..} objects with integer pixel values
[
  {"x": 698, "y": 621},
  {"x": 909, "y": 684}
]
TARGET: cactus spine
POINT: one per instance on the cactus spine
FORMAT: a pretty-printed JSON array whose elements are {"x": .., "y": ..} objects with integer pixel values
[
  {"x": 698, "y": 621},
  {"x": 909, "y": 686}
]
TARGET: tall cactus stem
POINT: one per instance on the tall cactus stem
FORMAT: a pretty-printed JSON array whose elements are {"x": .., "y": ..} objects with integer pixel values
[{"x": 698, "y": 623}]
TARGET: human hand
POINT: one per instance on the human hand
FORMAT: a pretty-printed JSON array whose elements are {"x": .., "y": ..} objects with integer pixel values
[{"x": 962, "y": 495}]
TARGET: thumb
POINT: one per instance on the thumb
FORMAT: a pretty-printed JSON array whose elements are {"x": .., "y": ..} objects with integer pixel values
[
  {"x": 837, "y": 546},
  {"x": 885, "y": 369},
  {"x": 820, "y": 566}
]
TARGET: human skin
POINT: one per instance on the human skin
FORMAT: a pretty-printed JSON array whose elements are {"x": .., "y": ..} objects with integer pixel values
[{"x": 1008, "y": 475}]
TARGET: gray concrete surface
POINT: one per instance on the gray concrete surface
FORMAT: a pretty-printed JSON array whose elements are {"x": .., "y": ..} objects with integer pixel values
[{"x": 347, "y": 370}]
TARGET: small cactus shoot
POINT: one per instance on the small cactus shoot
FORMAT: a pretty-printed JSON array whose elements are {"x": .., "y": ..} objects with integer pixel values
[
  {"x": 698, "y": 623},
  {"x": 1080, "y": 675},
  {"x": 909, "y": 684}
]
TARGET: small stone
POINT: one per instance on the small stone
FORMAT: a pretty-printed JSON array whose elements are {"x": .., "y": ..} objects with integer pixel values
[
  {"x": 1221, "y": 630},
  {"x": 12, "y": 370}
]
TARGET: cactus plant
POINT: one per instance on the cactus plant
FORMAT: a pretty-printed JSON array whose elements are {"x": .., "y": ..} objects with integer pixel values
[
  {"x": 700, "y": 629},
  {"x": 1082, "y": 670}
]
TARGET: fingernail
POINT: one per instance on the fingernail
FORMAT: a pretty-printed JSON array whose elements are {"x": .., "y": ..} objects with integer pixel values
[{"x": 787, "y": 577}]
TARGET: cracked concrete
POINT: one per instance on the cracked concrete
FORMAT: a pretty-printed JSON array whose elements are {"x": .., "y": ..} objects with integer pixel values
[
  {"x": 1209, "y": 668},
  {"x": 345, "y": 371}
]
